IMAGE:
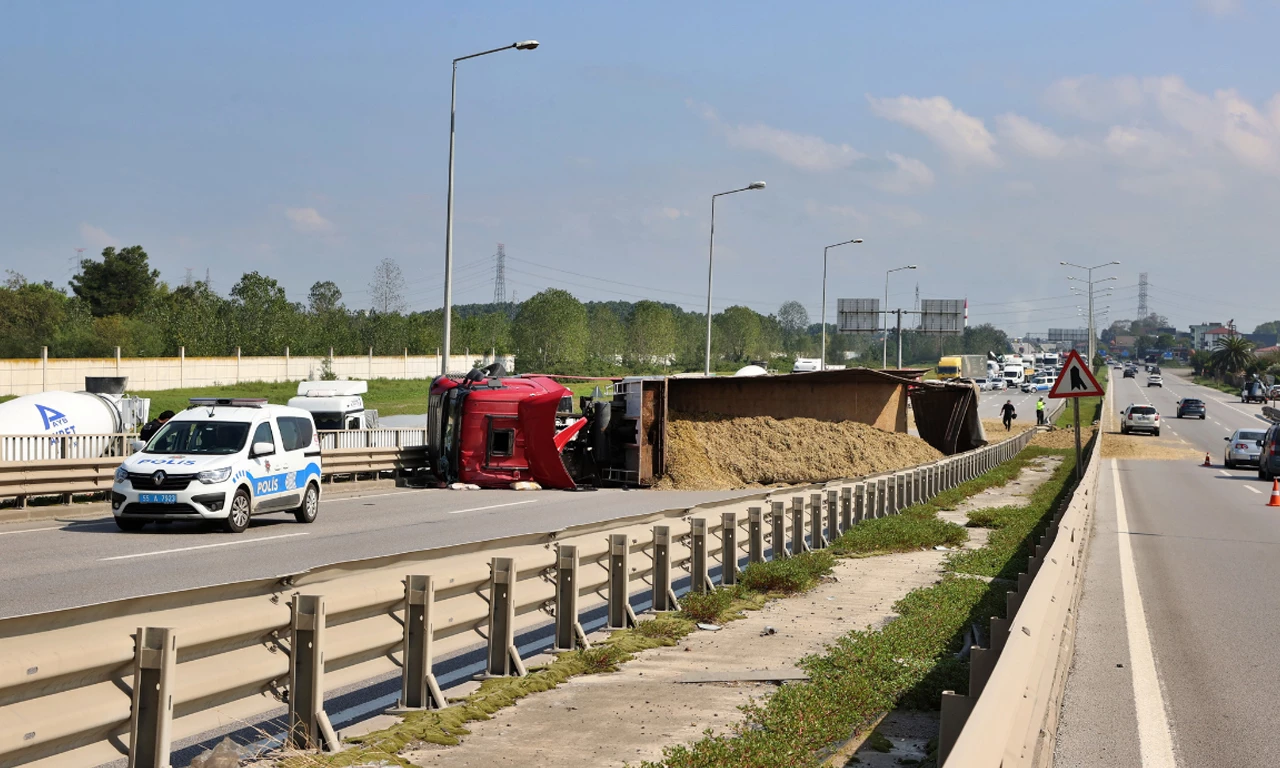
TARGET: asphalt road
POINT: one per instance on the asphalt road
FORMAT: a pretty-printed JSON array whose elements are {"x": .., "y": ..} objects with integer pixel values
[
  {"x": 50, "y": 565},
  {"x": 1175, "y": 647}
]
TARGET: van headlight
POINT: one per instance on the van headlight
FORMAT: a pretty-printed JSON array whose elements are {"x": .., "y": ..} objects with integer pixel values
[
  {"x": 122, "y": 474},
  {"x": 211, "y": 476}
]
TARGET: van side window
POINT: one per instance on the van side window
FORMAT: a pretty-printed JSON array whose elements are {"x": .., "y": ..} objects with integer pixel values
[
  {"x": 263, "y": 434},
  {"x": 295, "y": 432}
]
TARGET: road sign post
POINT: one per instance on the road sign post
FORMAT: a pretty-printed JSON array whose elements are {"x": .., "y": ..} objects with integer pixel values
[{"x": 1076, "y": 381}]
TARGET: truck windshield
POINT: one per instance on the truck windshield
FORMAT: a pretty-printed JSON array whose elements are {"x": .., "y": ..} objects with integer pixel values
[
  {"x": 199, "y": 437},
  {"x": 947, "y": 370},
  {"x": 328, "y": 421}
]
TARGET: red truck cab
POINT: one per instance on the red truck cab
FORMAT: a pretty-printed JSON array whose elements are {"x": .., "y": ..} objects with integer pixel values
[{"x": 493, "y": 432}]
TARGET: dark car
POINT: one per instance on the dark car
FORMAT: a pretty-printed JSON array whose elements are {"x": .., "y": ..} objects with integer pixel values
[
  {"x": 1130, "y": 373},
  {"x": 1269, "y": 457},
  {"x": 1189, "y": 407}
]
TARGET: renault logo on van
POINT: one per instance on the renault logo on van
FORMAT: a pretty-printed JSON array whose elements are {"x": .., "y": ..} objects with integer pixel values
[{"x": 158, "y": 478}]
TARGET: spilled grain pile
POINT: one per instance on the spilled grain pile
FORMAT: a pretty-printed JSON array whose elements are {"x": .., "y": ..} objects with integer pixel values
[{"x": 712, "y": 452}]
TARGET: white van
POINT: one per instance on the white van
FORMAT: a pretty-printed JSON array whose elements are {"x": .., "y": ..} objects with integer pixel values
[{"x": 222, "y": 459}]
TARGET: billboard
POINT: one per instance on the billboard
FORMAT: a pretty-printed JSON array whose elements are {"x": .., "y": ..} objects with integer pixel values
[
  {"x": 942, "y": 316},
  {"x": 857, "y": 315},
  {"x": 1070, "y": 335}
]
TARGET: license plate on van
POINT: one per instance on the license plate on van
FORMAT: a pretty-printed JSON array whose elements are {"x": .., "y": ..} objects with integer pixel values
[{"x": 158, "y": 498}]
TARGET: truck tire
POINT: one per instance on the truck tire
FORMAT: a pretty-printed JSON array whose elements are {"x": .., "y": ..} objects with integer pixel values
[
  {"x": 306, "y": 513},
  {"x": 238, "y": 513}
]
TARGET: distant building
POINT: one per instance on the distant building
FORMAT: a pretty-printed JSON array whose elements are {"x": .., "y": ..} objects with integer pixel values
[
  {"x": 1197, "y": 334},
  {"x": 1211, "y": 336}
]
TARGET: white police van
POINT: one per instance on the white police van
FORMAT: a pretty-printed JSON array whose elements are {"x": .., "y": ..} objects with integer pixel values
[{"x": 222, "y": 459}]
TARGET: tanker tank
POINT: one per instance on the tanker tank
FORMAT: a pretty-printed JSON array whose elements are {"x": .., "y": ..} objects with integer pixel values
[{"x": 96, "y": 417}]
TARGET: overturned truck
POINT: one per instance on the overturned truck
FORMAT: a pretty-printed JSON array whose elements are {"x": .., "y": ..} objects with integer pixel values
[{"x": 494, "y": 430}]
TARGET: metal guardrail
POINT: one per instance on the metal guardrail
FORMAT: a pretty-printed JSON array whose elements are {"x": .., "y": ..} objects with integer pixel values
[
  {"x": 85, "y": 686},
  {"x": 1009, "y": 718},
  {"x": 70, "y": 464}
]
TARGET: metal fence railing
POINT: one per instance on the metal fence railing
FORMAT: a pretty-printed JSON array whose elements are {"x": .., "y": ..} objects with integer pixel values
[
  {"x": 52, "y": 465},
  {"x": 1009, "y": 717},
  {"x": 85, "y": 686}
]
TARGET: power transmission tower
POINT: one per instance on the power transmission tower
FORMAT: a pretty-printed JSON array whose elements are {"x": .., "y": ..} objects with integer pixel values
[
  {"x": 208, "y": 281},
  {"x": 1142, "y": 296},
  {"x": 189, "y": 280},
  {"x": 917, "y": 307},
  {"x": 500, "y": 277}
]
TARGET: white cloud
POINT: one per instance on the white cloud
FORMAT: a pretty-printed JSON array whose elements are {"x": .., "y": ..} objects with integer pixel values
[
  {"x": 308, "y": 220},
  {"x": 97, "y": 237},
  {"x": 1143, "y": 146},
  {"x": 899, "y": 215},
  {"x": 909, "y": 175},
  {"x": 1020, "y": 188},
  {"x": 1219, "y": 7},
  {"x": 1029, "y": 137},
  {"x": 1226, "y": 120},
  {"x": 803, "y": 151},
  {"x": 1095, "y": 98},
  {"x": 964, "y": 137},
  {"x": 835, "y": 212}
]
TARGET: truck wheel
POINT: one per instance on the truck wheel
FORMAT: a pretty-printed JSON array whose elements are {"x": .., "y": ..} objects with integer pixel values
[
  {"x": 238, "y": 513},
  {"x": 310, "y": 505},
  {"x": 131, "y": 525}
]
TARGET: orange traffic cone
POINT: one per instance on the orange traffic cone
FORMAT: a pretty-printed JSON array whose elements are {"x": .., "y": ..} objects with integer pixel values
[
  {"x": 1206, "y": 463},
  {"x": 1274, "y": 501}
]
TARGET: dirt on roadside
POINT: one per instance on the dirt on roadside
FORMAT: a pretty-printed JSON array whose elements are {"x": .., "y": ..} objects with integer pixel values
[{"x": 714, "y": 452}]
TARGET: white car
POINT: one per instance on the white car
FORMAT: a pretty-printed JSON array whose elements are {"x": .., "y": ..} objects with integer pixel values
[
  {"x": 1140, "y": 418},
  {"x": 223, "y": 459},
  {"x": 998, "y": 385},
  {"x": 1155, "y": 380}
]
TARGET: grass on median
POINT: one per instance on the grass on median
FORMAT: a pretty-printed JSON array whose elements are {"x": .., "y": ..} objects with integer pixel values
[{"x": 906, "y": 664}]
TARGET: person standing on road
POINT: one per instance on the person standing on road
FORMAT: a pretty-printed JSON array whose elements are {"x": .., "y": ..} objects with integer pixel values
[
  {"x": 1007, "y": 414},
  {"x": 1040, "y": 411},
  {"x": 153, "y": 426}
]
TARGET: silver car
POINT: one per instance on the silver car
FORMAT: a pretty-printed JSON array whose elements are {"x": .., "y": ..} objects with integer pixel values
[{"x": 1242, "y": 448}]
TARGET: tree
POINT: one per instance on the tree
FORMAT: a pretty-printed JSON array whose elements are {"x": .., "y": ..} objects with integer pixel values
[
  {"x": 984, "y": 338},
  {"x": 794, "y": 321},
  {"x": 387, "y": 288},
  {"x": 550, "y": 332},
  {"x": 324, "y": 297},
  {"x": 1270, "y": 327},
  {"x": 651, "y": 333},
  {"x": 608, "y": 337},
  {"x": 1232, "y": 354},
  {"x": 118, "y": 285},
  {"x": 264, "y": 319},
  {"x": 739, "y": 332},
  {"x": 31, "y": 316}
]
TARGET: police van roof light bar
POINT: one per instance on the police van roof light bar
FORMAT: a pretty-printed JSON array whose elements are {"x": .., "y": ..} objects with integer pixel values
[{"x": 238, "y": 402}]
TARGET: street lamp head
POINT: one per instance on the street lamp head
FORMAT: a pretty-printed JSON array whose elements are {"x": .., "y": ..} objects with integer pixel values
[
  {"x": 756, "y": 185},
  {"x": 856, "y": 241},
  {"x": 911, "y": 266},
  {"x": 525, "y": 45}
]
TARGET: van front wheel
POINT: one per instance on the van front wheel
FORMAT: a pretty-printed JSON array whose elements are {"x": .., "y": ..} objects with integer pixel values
[{"x": 238, "y": 514}]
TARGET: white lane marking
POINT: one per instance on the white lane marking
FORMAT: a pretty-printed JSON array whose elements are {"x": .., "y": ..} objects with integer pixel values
[
  {"x": 491, "y": 506},
  {"x": 375, "y": 495},
  {"x": 1251, "y": 488},
  {"x": 1225, "y": 473},
  {"x": 201, "y": 546},
  {"x": 32, "y": 530},
  {"x": 1155, "y": 738}
]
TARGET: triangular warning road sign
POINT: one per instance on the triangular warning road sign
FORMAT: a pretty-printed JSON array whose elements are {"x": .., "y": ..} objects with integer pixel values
[{"x": 1075, "y": 380}]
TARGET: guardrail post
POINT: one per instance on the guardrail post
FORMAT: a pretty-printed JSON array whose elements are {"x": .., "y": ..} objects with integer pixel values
[
  {"x": 728, "y": 548},
  {"x": 699, "y": 581},
  {"x": 664, "y": 598},
  {"x": 882, "y": 497},
  {"x": 834, "y": 507},
  {"x": 620, "y": 614},
  {"x": 419, "y": 689},
  {"x": 955, "y": 712},
  {"x": 860, "y": 502},
  {"x": 154, "y": 657},
  {"x": 818, "y": 540},
  {"x": 798, "y": 544},
  {"x": 755, "y": 535},
  {"x": 891, "y": 502},
  {"x": 778, "y": 530},
  {"x": 503, "y": 656},
  {"x": 569, "y": 632},
  {"x": 309, "y": 726}
]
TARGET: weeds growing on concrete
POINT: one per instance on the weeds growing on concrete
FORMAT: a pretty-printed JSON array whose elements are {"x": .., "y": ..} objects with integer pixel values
[
  {"x": 909, "y": 662},
  {"x": 789, "y": 575}
]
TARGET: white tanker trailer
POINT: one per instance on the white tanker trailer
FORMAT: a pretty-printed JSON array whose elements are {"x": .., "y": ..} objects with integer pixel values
[{"x": 32, "y": 427}]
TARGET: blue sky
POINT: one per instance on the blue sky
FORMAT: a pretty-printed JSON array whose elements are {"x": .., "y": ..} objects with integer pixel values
[{"x": 984, "y": 142}]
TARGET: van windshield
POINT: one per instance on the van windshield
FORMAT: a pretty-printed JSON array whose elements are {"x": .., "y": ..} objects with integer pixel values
[{"x": 199, "y": 437}]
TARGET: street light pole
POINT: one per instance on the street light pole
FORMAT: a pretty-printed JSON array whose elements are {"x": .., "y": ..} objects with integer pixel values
[
  {"x": 1089, "y": 281},
  {"x": 524, "y": 45},
  {"x": 711, "y": 254},
  {"x": 823, "y": 355},
  {"x": 884, "y": 354}
]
